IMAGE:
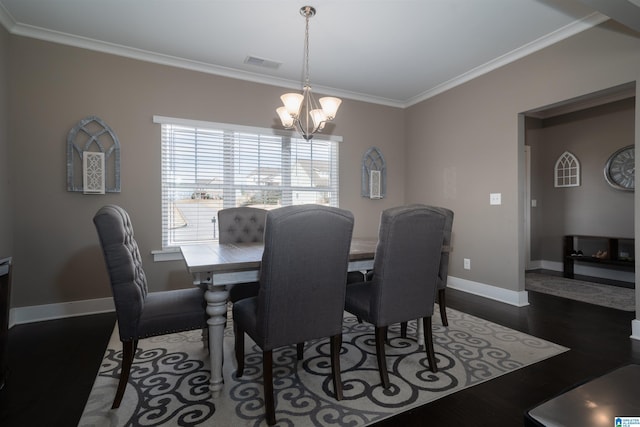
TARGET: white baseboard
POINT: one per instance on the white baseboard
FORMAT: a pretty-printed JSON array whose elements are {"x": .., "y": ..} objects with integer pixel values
[
  {"x": 37, "y": 313},
  {"x": 102, "y": 305},
  {"x": 587, "y": 270},
  {"x": 538, "y": 264},
  {"x": 635, "y": 329},
  {"x": 519, "y": 299}
]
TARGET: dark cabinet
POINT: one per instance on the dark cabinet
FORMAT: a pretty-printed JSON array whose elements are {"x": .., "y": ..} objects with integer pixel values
[{"x": 617, "y": 252}]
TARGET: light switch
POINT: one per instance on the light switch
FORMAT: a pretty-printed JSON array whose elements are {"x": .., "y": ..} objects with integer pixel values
[
  {"x": 534, "y": 203},
  {"x": 495, "y": 198}
]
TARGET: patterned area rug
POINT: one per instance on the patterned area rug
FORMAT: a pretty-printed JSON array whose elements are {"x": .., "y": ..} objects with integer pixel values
[
  {"x": 592, "y": 293},
  {"x": 168, "y": 383}
]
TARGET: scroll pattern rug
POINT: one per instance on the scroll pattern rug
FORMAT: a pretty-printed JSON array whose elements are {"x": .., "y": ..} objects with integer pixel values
[
  {"x": 168, "y": 383},
  {"x": 592, "y": 293}
]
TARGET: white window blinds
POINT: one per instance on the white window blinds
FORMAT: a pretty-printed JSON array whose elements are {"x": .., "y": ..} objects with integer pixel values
[{"x": 210, "y": 166}]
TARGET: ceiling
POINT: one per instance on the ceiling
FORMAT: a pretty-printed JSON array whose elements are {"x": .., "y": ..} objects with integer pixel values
[{"x": 390, "y": 52}]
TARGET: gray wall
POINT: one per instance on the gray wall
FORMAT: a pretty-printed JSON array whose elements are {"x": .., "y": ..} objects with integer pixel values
[
  {"x": 593, "y": 208},
  {"x": 53, "y": 86},
  {"x": 466, "y": 143},
  {"x": 451, "y": 150},
  {"x": 6, "y": 236}
]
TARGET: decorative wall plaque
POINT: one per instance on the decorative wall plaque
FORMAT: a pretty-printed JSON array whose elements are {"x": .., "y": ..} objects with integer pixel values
[
  {"x": 374, "y": 174},
  {"x": 93, "y": 174}
]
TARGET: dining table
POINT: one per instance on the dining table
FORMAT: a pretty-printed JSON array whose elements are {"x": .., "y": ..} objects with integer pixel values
[{"x": 219, "y": 265}]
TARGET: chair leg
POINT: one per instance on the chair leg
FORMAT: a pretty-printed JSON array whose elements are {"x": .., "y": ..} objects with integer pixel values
[
  {"x": 428, "y": 343},
  {"x": 239, "y": 349},
  {"x": 442, "y": 302},
  {"x": 403, "y": 329},
  {"x": 128, "y": 353},
  {"x": 267, "y": 373},
  {"x": 300, "y": 350},
  {"x": 381, "y": 332},
  {"x": 336, "y": 343}
]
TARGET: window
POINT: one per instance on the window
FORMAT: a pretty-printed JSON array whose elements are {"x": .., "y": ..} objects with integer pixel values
[
  {"x": 210, "y": 166},
  {"x": 567, "y": 171}
]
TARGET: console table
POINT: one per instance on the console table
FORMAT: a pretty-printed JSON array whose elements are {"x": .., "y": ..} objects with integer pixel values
[{"x": 577, "y": 248}]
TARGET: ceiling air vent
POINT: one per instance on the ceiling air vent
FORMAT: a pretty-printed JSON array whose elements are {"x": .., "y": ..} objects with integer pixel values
[{"x": 261, "y": 62}]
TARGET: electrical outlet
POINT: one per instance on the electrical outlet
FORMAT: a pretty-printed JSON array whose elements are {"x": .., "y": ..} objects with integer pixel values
[
  {"x": 467, "y": 264},
  {"x": 495, "y": 198}
]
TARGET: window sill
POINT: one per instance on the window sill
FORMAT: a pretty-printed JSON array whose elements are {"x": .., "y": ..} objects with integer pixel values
[{"x": 172, "y": 254}]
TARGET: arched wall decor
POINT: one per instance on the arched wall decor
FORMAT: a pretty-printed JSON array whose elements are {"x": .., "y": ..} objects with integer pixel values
[
  {"x": 567, "y": 171},
  {"x": 374, "y": 174},
  {"x": 93, "y": 157}
]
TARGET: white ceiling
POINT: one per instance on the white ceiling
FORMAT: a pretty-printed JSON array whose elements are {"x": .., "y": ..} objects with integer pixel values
[{"x": 391, "y": 52}]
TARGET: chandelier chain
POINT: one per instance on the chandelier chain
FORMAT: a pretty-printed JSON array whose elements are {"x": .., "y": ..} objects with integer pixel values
[{"x": 306, "y": 48}]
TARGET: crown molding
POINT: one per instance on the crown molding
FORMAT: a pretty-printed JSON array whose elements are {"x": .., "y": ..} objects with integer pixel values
[
  {"x": 173, "y": 61},
  {"x": 565, "y": 32},
  {"x": 85, "y": 43}
]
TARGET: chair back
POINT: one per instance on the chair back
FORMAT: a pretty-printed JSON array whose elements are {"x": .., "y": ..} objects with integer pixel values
[
  {"x": 406, "y": 264},
  {"x": 124, "y": 264},
  {"x": 443, "y": 272},
  {"x": 303, "y": 274},
  {"x": 241, "y": 225}
]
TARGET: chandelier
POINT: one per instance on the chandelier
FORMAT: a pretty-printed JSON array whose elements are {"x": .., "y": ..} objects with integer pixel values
[{"x": 301, "y": 111}]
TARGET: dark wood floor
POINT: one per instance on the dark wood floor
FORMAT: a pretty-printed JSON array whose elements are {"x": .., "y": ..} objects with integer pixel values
[{"x": 53, "y": 364}]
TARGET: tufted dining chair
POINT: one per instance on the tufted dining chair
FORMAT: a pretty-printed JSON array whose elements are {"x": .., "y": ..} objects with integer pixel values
[
  {"x": 140, "y": 313},
  {"x": 302, "y": 288},
  {"x": 404, "y": 280},
  {"x": 243, "y": 224},
  {"x": 443, "y": 271}
]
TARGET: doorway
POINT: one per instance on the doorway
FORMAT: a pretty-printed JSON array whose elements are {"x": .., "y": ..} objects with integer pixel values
[{"x": 591, "y": 127}]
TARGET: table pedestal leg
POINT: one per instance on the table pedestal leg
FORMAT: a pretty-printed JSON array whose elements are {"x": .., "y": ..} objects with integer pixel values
[{"x": 216, "y": 297}]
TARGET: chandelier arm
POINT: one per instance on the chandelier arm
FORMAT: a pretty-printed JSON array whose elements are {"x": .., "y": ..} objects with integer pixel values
[{"x": 300, "y": 129}]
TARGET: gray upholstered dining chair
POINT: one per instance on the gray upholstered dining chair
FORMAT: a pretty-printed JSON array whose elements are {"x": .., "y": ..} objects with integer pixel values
[
  {"x": 443, "y": 271},
  {"x": 302, "y": 288},
  {"x": 140, "y": 313},
  {"x": 243, "y": 224},
  {"x": 404, "y": 279}
]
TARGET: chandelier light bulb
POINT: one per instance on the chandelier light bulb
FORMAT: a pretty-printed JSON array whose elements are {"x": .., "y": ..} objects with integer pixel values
[
  {"x": 292, "y": 103},
  {"x": 285, "y": 117},
  {"x": 330, "y": 106},
  {"x": 319, "y": 118}
]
